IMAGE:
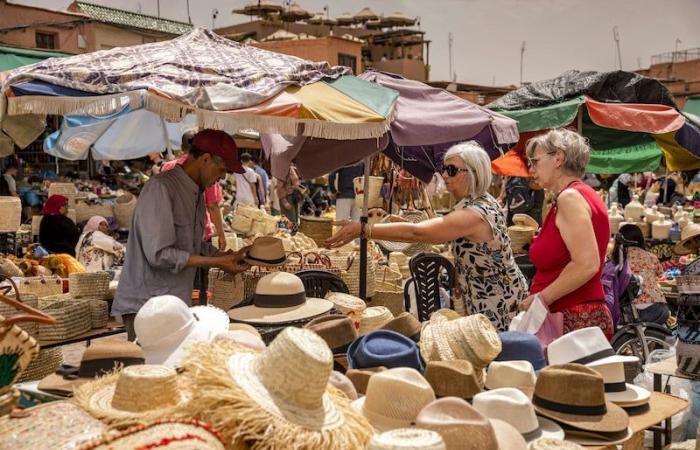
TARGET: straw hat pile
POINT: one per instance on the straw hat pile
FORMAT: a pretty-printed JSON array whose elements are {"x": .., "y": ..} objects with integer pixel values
[{"x": 522, "y": 231}]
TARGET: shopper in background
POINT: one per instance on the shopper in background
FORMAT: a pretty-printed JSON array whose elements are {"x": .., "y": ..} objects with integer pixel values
[
  {"x": 264, "y": 177},
  {"x": 58, "y": 233},
  {"x": 343, "y": 190},
  {"x": 10, "y": 175},
  {"x": 248, "y": 185},
  {"x": 96, "y": 249},
  {"x": 569, "y": 252}
]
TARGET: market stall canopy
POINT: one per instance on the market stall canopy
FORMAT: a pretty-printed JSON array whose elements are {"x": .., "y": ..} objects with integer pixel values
[
  {"x": 399, "y": 19},
  {"x": 11, "y": 57},
  {"x": 427, "y": 122},
  {"x": 260, "y": 8},
  {"x": 365, "y": 15},
  {"x": 345, "y": 19},
  {"x": 624, "y": 137},
  {"x": 294, "y": 13},
  {"x": 128, "y": 134},
  {"x": 226, "y": 85},
  {"x": 321, "y": 19}
]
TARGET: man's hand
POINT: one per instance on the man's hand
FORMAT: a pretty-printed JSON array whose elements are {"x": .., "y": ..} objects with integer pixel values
[
  {"x": 234, "y": 263},
  {"x": 222, "y": 243}
]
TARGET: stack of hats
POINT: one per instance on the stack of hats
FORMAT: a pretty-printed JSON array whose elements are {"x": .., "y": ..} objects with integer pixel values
[
  {"x": 348, "y": 304},
  {"x": 688, "y": 331},
  {"x": 374, "y": 318},
  {"x": 590, "y": 347},
  {"x": 573, "y": 395},
  {"x": 448, "y": 337}
]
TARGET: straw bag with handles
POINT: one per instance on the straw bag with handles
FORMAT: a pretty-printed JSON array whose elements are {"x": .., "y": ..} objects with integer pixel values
[
  {"x": 227, "y": 290},
  {"x": 17, "y": 347},
  {"x": 389, "y": 290},
  {"x": 374, "y": 194},
  {"x": 40, "y": 286},
  {"x": 407, "y": 248},
  {"x": 349, "y": 266}
]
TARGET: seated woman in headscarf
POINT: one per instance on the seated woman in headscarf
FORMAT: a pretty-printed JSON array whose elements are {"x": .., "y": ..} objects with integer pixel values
[
  {"x": 58, "y": 233},
  {"x": 96, "y": 249}
]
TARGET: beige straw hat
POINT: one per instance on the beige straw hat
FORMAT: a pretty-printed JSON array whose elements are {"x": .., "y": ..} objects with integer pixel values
[
  {"x": 241, "y": 337},
  {"x": 689, "y": 240},
  {"x": 348, "y": 304},
  {"x": 135, "y": 394},
  {"x": 464, "y": 428},
  {"x": 279, "y": 398},
  {"x": 514, "y": 374},
  {"x": 473, "y": 338},
  {"x": 394, "y": 398},
  {"x": 374, "y": 318},
  {"x": 266, "y": 251},
  {"x": 407, "y": 439},
  {"x": 455, "y": 378},
  {"x": 343, "y": 384}
]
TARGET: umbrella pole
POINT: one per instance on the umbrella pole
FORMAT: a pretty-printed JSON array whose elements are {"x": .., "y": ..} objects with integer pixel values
[
  {"x": 363, "y": 240},
  {"x": 666, "y": 187}
]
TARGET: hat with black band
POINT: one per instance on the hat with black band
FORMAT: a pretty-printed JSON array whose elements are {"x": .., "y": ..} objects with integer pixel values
[{"x": 266, "y": 251}]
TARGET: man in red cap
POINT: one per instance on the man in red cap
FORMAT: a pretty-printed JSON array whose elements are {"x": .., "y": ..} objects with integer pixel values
[{"x": 166, "y": 242}]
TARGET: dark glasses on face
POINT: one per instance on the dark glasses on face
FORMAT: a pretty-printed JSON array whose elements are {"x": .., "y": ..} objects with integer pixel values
[{"x": 452, "y": 170}]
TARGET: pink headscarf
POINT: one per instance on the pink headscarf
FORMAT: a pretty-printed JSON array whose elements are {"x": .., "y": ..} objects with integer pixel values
[{"x": 94, "y": 223}]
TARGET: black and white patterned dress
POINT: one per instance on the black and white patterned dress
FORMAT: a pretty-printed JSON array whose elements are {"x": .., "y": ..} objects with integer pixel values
[{"x": 490, "y": 280}]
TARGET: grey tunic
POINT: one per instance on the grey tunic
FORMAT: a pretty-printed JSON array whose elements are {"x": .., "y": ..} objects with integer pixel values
[{"x": 166, "y": 229}]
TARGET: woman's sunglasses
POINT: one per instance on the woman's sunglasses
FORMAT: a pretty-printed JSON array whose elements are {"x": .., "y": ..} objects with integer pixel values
[{"x": 452, "y": 170}]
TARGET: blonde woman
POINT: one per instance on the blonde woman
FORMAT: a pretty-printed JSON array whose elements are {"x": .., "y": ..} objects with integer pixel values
[{"x": 490, "y": 281}]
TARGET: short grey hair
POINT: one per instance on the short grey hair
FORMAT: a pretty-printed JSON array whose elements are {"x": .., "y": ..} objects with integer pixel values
[
  {"x": 477, "y": 163},
  {"x": 575, "y": 148}
]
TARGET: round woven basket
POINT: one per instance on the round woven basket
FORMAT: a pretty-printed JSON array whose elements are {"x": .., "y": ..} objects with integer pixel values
[
  {"x": 46, "y": 362},
  {"x": 89, "y": 285},
  {"x": 374, "y": 192},
  {"x": 67, "y": 190},
  {"x": 10, "y": 214},
  {"x": 407, "y": 248},
  {"x": 317, "y": 228},
  {"x": 124, "y": 210}
]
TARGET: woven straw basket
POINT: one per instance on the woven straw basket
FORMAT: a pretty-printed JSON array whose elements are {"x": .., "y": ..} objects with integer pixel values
[
  {"x": 40, "y": 286},
  {"x": 349, "y": 265},
  {"x": 317, "y": 228},
  {"x": 296, "y": 261},
  {"x": 124, "y": 210},
  {"x": 9, "y": 269},
  {"x": 99, "y": 309},
  {"x": 89, "y": 285},
  {"x": 374, "y": 193},
  {"x": 8, "y": 312},
  {"x": 227, "y": 290},
  {"x": 72, "y": 319},
  {"x": 10, "y": 214},
  {"x": 522, "y": 232},
  {"x": 407, "y": 248},
  {"x": 67, "y": 190},
  {"x": 46, "y": 362},
  {"x": 84, "y": 212}
]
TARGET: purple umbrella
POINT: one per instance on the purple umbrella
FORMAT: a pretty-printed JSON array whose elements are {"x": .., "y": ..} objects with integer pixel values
[{"x": 427, "y": 122}]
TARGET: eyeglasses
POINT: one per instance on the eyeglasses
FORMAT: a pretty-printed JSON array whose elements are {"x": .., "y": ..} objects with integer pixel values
[
  {"x": 532, "y": 162},
  {"x": 452, "y": 170}
]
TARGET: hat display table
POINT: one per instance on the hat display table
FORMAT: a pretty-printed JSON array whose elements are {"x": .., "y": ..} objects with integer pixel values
[{"x": 661, "y": 408}]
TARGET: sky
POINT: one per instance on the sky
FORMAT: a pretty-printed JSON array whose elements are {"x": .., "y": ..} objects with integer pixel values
[{"x": 559, "y": 34}]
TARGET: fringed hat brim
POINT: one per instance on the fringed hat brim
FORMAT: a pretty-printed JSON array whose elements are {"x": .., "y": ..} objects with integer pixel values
[{"x": 225, "y": 404}]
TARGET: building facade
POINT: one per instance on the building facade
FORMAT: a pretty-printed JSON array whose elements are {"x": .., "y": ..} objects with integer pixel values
[{"x": 679, "y": 71}]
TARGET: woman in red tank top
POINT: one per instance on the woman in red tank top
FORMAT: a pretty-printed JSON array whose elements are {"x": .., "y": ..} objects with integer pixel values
[{"x": 569, "y": 252}]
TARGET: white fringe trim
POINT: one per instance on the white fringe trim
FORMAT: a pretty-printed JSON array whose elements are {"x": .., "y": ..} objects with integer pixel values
[{"x": 97, "y": 105}]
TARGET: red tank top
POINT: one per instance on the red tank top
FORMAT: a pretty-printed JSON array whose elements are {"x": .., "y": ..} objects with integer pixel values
[{"x": 549, "y": 254}]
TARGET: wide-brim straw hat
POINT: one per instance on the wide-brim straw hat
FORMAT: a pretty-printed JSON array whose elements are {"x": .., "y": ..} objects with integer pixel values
[
  {"x": 689, "y": 240},
  {"x": 574, "y": 395},
  {"x": 162, "y": 434},
  {"x": 266, "y": 251},
  {"x": 100, "y": 358},
  {"x": 407, "y": 439},
  {"x": 278, "y": 398},
  {"x": 136, "y": 394},
  {"x": 623, "y": 394},
  {"x": 473, "y": 338}
]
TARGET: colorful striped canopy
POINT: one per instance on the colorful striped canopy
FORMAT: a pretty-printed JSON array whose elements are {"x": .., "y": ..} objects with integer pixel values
[
  {"x": 624, "y": 137},
  {"x": 224, "y": 84}
]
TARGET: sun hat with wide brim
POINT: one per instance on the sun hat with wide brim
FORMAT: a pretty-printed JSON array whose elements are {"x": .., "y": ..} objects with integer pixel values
[
  {"x": 136, "y": 394},
  {"x": 623, "y": 394},
  {"x": 689, "y": 240},
  {"x": 587, "y": 346},
  {"x": 278, "y": 398},
  {"x": 582, "y": 437},
  {"x": 574, "y": 395},
  {"x": 266, "y": 251},
  {"x": 280, "y": 298}
]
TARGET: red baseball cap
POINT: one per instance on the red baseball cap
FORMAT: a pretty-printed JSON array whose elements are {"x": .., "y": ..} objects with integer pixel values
[{"x": 221, "y": 144}]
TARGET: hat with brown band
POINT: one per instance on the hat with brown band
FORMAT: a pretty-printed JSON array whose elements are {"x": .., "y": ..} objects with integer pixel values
[
  {"x": 574, "y": 395},
  {"x": 100, "y": 358},
  {"x": 266, "y": 251}
]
